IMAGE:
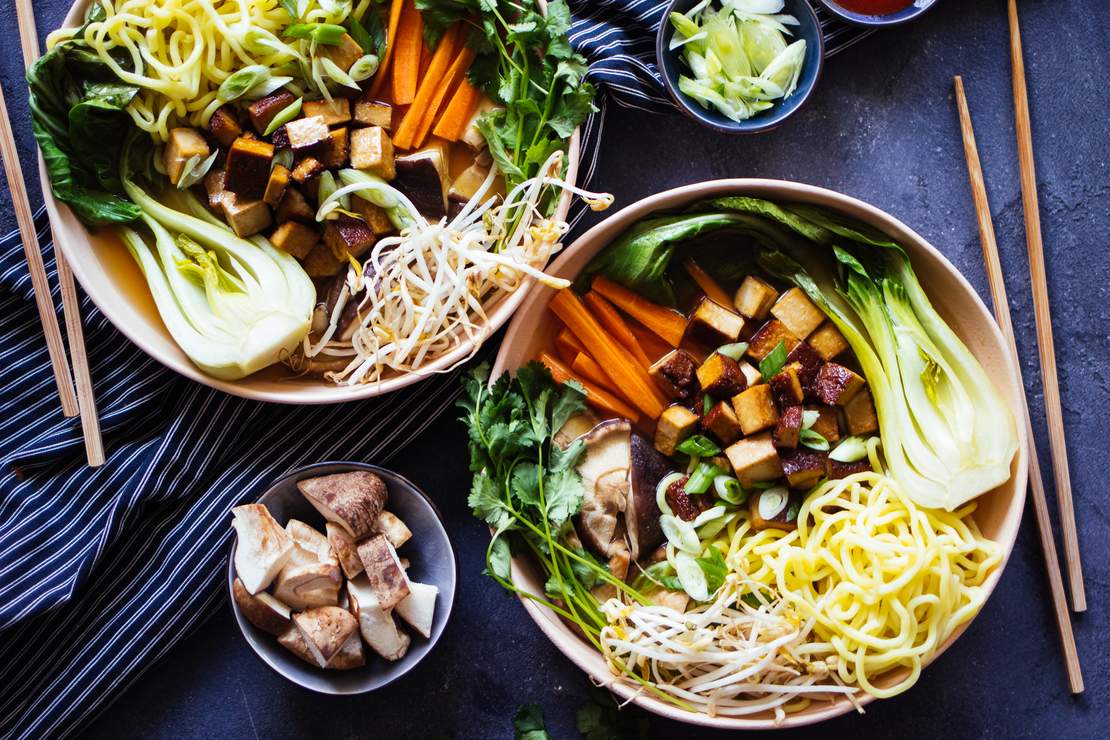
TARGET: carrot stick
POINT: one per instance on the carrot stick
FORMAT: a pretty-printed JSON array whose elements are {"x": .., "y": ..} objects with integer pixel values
[
  {"x": 406, "y": 57},
  {"x": 390, "y": 38},
  {"x": 588, "y": 368},
  {"x": 567, "y": 345},
  {"x": 405, "y": 135},
  {"x": 617, "y": 362},
  {"x": 595, "y": 396},
  {"x": 615, "y": 324},
  {"x": 652, "y": 346},
  {"x": 447, "y": 85},
  {"x": 708, "y": 285},
  {"x": 452, "y": 124},
  {"x": 669, "y": 325},
  {"x": 425, "y": 60}
]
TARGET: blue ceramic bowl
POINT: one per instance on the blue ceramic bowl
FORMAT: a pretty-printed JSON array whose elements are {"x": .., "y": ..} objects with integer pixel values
[
  {"x": 908, "y": 13},
  {"x": 671, "y": 66}
]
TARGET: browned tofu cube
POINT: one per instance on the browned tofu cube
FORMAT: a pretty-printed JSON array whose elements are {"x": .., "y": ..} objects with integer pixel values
[
  {"x": 712, "y": 324},
  {"x": 215, "y": 184},
  {"x": 786, "y": 387},
  {"x": 788, "y": 430},
  {"x": 372, "y": 151},
  {"x": 275, "y": 187},
  {"x": 346, "y": 53},
  {"x": 245, "y": 217},
  {"x": 294, "y": 207},
  {"x": 183, "y": 145},
  {"x": 720, "y": 376},
  {"x": 752, "y": 376},
  {"x": 836, "y": 385},
  {"x": 374, "y": 113},
  {"x": 248, "y": 167},
  {"x": 346, "y": 235},
  {"x": 859, "y": 414},
  {"x": 827, "y": 341},
  {"x": 754, "y": 298},
  {"x": 307, "y": 134},
  {"x": 827, "y": 424},
  {"x": 797, "y": 313},
  {"x": 764, "y": 341},
  {"x": 675, "y": 424},
  {"x": 334, "y": 153},
  {"x": 754, "y": 459},
  {"x": 307, "y": 169},
  {"x": 280, "y": 139},
  {"x": 722, "y": 422},
  {"x": 806, "y": 362},
  {"x": 375, "y": 216},
  {"x": 322, "y": 262},
  {"x": 774, "y": 509},
  {"x": 837, "y": 470},
  {"x": 756, "y": 409},
  {"x": 803, "y": 467},
  {"x": 676, "y": 374},
  {"x": 335, "y": 112},
  {"x": 295, "y": 238},
  {"x": 263, "y": 111},
  {"x": 224, "y": 126}
]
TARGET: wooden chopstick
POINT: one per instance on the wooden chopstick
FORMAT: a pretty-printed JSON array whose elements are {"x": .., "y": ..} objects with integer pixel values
[
  {"x": 1042, "y": 313},
  {"x": 71, "y": 305},
  {"x": 1002, "y": 314}
]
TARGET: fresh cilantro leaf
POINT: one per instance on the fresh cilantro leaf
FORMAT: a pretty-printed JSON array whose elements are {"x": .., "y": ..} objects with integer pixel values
[
  {"x": 486, "y": 502},
  {"x": 529, "y": 725},
  {"x": 499, "y": 558},
  {"x": 570, "y": 401},
  {"x": 770, "y": 365},
  {"x": 602, "y": 719},
  {"x": 562, "y": 491},
  {"x": 564, "y": 459},
  {"x": 714, "y": 568},
  {"x": 525, "y": 484}
]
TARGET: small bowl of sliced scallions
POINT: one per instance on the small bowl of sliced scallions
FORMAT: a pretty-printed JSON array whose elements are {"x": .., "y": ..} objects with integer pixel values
[{"x": 739, "y": 66}]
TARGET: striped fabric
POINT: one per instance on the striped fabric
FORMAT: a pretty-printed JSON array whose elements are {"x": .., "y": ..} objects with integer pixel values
[{"x": 103, "y": 571}]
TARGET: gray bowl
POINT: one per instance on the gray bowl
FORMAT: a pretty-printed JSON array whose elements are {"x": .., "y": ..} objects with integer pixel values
[{"x": 432, "y": 561}]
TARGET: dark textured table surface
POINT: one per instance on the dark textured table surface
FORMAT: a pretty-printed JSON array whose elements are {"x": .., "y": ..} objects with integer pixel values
[{"x": 881, "y": 127}]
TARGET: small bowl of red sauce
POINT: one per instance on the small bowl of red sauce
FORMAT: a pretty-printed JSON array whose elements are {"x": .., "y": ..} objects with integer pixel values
[{"x": 877, "y": 13}]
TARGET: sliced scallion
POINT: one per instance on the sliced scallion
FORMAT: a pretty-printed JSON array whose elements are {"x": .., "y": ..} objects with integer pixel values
[{"x": 284, "y": 116}]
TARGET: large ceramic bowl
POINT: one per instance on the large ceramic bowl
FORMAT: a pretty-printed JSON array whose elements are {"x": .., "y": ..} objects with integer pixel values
[
  {"x": 999, "y": 512},
  {"x": 113, "y": 281}
]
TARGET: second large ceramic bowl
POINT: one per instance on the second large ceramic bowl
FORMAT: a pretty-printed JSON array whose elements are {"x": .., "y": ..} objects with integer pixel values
[{"x": 999, "y": 512}]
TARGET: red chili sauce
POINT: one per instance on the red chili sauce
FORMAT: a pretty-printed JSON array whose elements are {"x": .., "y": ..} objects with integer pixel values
[{"x": 874, "y": 7}]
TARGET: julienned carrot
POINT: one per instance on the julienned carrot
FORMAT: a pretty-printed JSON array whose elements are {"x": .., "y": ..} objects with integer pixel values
[
  {"x": 617, "y": 362},
  {"x": 615, "y": 324},
  {"x": 585, "y": 366},
  {"x": 447, "y": 84},
  {"x": 405, "y": 135},
  {"x": 390, "y": 39},
  {"x": 596, "y": 396},
  {"x": 406, "y": 55},
  {"x": 653, "y": 346},
  {"x": 708, "y": 285},
  {"x": 669, "y": 325},
  {"x": 452, "y": 124},
  {"x": 567, "y": 345}
]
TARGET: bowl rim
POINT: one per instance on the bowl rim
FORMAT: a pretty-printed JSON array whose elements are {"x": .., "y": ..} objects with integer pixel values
[
  {"x": 741, "y": 128},
  {"x": 293, "y": 677},
  {"x": 603, "y": 233},
  {"x": 865, "y": 20},
  {"x": 74, "y": 240}
]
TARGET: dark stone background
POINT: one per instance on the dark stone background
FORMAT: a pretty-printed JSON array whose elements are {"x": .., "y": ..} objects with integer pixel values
[{"x": 883, "y": 128}]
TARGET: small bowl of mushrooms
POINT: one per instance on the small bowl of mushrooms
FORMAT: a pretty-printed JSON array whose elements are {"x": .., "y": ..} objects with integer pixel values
[{"x": 341, "y": 576}]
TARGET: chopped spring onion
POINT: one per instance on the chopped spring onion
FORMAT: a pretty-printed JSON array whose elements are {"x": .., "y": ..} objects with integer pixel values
[
  {"x": 237, "y": 84},
  {"x": 729, "y": 490},
  {"x": 363, "y": 68},
  {"x": 809, "y": 418},
  {"x": 850, "y": 449},
  {"x": 195, "y": 169},
  {"x": 284, "y": 116},
  {"x": 661, "y": 491},
  {"x": 733, "y": 351},
  {"x": 680, "y": 533},
  {"x": 813, "y": 440},
  {"x": 334, "y": 71},
  {"x": 773, "y": 501},
  {"x": 267, "y": 87},
  {"x": 328, "y": 34},
  {"x": 710, "y": 514},
  {"x": 702, "y": 478},
  {"x": 691, "y": 576},
  {"x": 698, "y": 445}
]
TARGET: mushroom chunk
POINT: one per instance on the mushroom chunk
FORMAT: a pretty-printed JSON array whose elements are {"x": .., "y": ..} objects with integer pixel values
[
  {"x": 325, "y": 630},
  {"x": 350, "y": 656},
  {"x": 377, "y": 625},
  {"x": 604, "y": 472},
  {"x": 263, "y": 611},
  {"x": 384, "y": 570},
  {"x": 263, "y": 546},
  {"x": 641, "y": 512},
  {"x": 353, "y": 500},
  {"x": 344, "y": 548},
  {"x": 418, "y": 608},
  {"x": 422, "y": 176}
]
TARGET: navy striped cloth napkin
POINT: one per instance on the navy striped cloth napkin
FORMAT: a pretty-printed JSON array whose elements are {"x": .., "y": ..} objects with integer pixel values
[{"x": 103, "y": 570}]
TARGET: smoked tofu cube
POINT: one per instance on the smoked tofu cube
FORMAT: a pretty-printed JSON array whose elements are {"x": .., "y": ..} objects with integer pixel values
[
  {"x": 764, "y": 341},
  {"x": 466, "y": 185},
  {"x": 375, "y": 216},
  {"x": 344, "y": 54},
  {"x": 827, "y": 424},
  {"x": 294, "y": 207},
  {"x": 722, "y": 422},
  {"x": 802, "y": 467},
  {"x": 335, "y": 150},
  {"x": 712, "y": 324},
  {"x": 307, "y": 169},
  {"x": 372, "y": 151},
  {"x": 859, "y": 414},
  {"x": 275, "y": 187},
  {"x": 335, "y": 113},
  {"x": 720, "y": 376},
  {"x": 245, "y": 217},
  {"x": 752, "y": 376},
  {"x": 756, "y": 409},
  {"x": 675, "y": 424},
  {"x": 224, "y": 126},
  {"x": 676, "y": 373},
  {"x": 754, "y": 298},
  {"x": 788, "y": 430},
  {"x": 754, "y": 459},
  {"x": 836, "y": 385},
  {"x": 374, "y": 113},
  {"x": 827, "y": 341},
  {"x": 215, "y": 184},
  {"x": 263, "y": 111},
  {"x": 805, "y": 360},
  {"x": 183, "y": 145},
  {"x": 786, "y": 387},
  {"x": 797, "y": 313},
  {"x": 346, "y": 235},
  {"x": 322, "y": 262},
  {"x": 307, "y": 134},
  {"x": 295, "y": 238},
  {"x": 248, "y": 167}
]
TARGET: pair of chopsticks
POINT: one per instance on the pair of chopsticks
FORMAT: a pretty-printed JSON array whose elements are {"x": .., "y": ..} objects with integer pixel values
[
  {"x": 1044, "y": 337},
  {"x": 80, "y": 401}
]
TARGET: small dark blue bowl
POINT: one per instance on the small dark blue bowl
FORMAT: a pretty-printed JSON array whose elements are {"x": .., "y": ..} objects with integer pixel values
[
  {"x": 908, "y": 13},
  {"x": 671, "y": 66}
]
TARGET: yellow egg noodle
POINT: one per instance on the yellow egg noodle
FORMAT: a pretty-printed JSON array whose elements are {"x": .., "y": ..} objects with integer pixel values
[{"x": 180, "y": 51}]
